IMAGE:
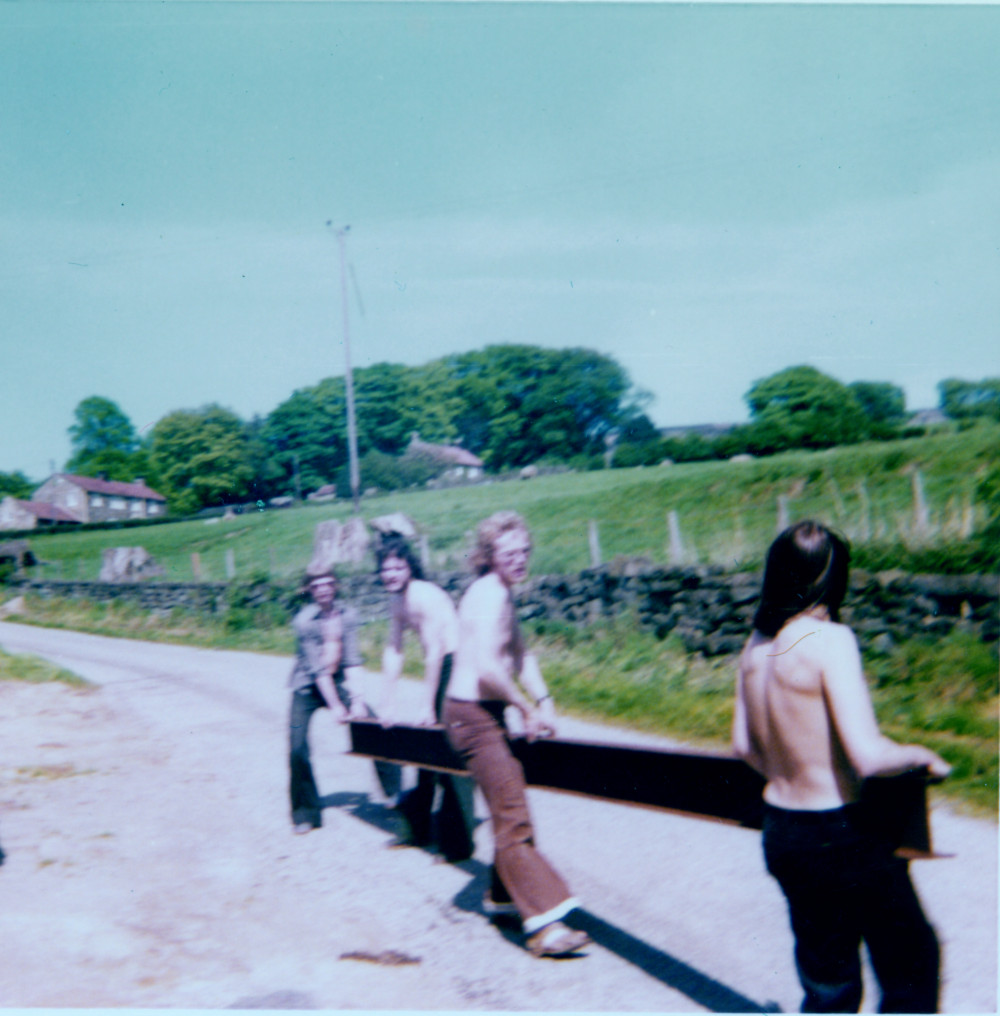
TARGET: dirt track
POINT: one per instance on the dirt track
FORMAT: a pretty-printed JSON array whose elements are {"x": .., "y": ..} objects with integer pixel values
[{"x": 150, "y": 864}]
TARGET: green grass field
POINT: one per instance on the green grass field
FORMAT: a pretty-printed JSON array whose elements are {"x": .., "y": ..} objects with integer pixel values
[{"x": 727, "y": 512}]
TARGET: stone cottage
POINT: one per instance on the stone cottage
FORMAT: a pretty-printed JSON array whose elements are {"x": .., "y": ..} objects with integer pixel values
[
  {"x": 17, "y": 514},
  {"x": 95, "y": 499},
  {"x": 456, "y": 462}
]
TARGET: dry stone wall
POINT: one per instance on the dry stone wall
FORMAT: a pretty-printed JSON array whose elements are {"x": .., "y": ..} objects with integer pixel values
[{"x": 709, "y": 610}]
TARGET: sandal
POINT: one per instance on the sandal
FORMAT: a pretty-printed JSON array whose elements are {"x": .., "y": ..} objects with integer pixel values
[{"x": 557, "y": 940}]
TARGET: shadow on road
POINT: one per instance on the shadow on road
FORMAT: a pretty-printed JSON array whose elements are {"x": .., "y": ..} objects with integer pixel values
[{"x": 674, "y": 973}]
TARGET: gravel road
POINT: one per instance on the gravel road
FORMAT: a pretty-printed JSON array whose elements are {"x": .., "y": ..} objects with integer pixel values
[{"x": 150, "y": 863}]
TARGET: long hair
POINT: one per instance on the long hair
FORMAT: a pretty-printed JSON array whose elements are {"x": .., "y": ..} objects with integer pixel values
[
  {"x": 807, "y": 565},
  {"x": 490, "y": 530},
  {"x": 396, "y": 545}
]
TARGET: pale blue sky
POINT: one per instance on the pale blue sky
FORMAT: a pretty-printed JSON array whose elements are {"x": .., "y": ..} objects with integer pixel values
[{"x": 709, "y": 193}]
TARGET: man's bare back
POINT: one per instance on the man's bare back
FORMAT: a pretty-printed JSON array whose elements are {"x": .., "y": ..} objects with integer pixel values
[{"x": 804, "y": 717}]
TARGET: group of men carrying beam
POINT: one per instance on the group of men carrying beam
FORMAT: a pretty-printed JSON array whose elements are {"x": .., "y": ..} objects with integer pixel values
[{"x": 805, "y": 740}]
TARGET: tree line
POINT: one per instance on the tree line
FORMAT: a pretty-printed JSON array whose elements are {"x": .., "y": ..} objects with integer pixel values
[{"x": 512, "y": 405}]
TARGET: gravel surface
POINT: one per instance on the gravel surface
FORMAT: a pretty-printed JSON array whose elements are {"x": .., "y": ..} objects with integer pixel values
[{"x": 150, "y": 863}]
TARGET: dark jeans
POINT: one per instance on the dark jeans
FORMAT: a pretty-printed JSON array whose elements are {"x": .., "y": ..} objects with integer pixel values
[
  {"x": 454, "y": 820},
  {"x": 302, "y": 788},
  {"x": 844, "y": 885}
]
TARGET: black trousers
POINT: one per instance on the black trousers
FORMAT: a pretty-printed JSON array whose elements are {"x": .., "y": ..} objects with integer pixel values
[
  {"x": 844, "y": 886},
  {"x": 305, "y": 800},
  {"x": 453, "y": 822}
]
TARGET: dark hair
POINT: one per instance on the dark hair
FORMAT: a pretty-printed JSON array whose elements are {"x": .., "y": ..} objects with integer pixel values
[
  {"x": 396, "y": 545},
  {"x": 807, "y": 565}
]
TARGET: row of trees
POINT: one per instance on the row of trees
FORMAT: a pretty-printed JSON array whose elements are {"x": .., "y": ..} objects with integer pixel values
[
  {"x": 800, "y": 407},
  {"x": 511, "y": 405}
]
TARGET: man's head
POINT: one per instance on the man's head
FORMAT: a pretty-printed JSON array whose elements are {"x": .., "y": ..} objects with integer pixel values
[
  {"x": 807, "y": 566},
  {"x": 503, "y": 545},
  {"x": 397, "y": 563},
  {"x": 322, "y": 587}
]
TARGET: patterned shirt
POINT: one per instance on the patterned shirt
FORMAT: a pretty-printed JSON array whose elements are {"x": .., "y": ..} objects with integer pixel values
[{"x": 308, "y": 626}]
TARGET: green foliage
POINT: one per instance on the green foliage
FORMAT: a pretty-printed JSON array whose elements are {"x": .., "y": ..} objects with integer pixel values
[
  {"x": 944, "y": 693},
  {"x": 881, "y": 401},
  {"x": 17, "y": 485},
  {"x": 390, "y": 472},
  {"x": 523, "y": 403},
  {"x": 201, "y": 458},
  {"x": 801, "y": 408},
  {"x": 963, "y": 400},
  {"x": 307, "y": 436},
  {"x": 104, "y": 441}
]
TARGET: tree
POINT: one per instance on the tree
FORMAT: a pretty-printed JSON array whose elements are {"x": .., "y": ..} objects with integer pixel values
[
  {"x": 799, "y": 407},
  {"x": 883, "y": 403},
  {"x": 103, "y": 441},
  {"x": 202, "y": 458},
  {"x": 964, "y": 400},
  {"x": 522, "y": 403},
  {"x": 17, "y": 485},
  {"x": 307, "y": 436}
]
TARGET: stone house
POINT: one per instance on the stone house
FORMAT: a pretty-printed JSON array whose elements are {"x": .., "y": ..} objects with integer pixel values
[
  {"x": 17, "y": 514},
  {"x": 456, "y": 462},
  {"x": 95, "y": 499}
]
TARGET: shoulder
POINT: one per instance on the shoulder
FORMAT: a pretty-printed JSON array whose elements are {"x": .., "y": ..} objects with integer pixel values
[
  {"x": 350, "y": 616},
  {"x": 305, "y": 615},
  {"x": 431, "y": 595},
  {"x": 484, "y": 592},
  {"x": 755, "y": 648}
]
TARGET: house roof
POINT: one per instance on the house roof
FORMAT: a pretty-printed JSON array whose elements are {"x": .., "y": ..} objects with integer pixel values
[
  {"x": 46, "y": 511},
  {"x": 452, "y": 454},
  {"x": 114, "y": 488}
]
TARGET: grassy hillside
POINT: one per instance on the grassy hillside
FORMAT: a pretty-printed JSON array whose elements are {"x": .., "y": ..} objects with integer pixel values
[{"x": 919, "y": 492}]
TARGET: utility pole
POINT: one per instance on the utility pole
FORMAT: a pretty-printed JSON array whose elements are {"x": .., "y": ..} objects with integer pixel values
[{"x": 352, "y": 435}]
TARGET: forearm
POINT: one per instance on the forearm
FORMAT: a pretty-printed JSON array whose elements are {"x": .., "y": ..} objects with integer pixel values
[
  {"x": 889, "y": 758},
  {"x": 328, "y": 689},
  {"x": 532, "y": 680}
]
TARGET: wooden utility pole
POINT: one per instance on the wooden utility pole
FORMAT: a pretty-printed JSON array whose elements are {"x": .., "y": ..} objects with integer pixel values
[{"x": 352, "y": 436}]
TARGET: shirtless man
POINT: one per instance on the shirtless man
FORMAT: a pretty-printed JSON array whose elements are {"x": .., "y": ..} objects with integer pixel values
[
  {"x": 428, "y": 610},
  {"x": 804, "y": 719},
  {"x": 490, "y": 661}
]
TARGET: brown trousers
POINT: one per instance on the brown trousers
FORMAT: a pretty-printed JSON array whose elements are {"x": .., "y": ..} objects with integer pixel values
[{"x": 475, "y": 731}]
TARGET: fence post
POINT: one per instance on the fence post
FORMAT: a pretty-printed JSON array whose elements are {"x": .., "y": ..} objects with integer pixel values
[
  {"x": 921, "y": 515},
  {"x": 675, "y": 549},
  {"x": 782, "y": 512},
  {"x": 865, "y": 528},
  {"x": 230, "y": 563},
  {"x": 196, "y": 565},
  {"x": 425, "y": 553},
  {"x": 595, "y": 544}
]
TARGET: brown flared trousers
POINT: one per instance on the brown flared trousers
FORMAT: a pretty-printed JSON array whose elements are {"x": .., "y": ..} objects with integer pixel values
[{"x": 475, "y": 731}]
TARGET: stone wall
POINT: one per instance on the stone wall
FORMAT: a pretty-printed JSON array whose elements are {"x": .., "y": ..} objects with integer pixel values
[{"x": 710, "y": 610}]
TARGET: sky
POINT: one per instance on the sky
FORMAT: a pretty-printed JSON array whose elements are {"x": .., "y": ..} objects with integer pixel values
[{"x": 709, "y": 193}]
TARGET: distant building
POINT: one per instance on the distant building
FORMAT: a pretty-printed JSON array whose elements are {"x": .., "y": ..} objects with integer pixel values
[
  {"x": 17, "y": 514},
  {"x": 926, "y": 418},
  {"x": 456, "y": 462},
  {"x": 95, "y": 499}
]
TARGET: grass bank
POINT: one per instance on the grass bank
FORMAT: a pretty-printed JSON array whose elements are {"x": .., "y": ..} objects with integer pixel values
[
  {"x": 889, "y": 498},
  {"x": 941, "y": 692},
  {"x": 24, "y": 667}
]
